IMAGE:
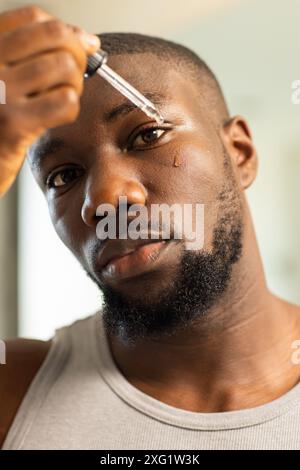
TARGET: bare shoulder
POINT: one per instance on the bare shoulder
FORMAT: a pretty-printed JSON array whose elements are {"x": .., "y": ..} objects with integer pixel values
[{"x": 24, "y": 357}]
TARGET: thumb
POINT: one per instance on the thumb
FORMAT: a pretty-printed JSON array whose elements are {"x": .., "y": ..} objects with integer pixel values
[{"x": 90, "y": 42}]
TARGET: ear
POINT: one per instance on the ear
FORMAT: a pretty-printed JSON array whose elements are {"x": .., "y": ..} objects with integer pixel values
[{"x": 237, "y": 139}]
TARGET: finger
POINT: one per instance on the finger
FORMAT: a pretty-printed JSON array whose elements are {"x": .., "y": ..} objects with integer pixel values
[
  {"x": 13, "y": 19},
  {"x": 41, "y": 73},
  {"x": 90, "y": 42},
  {"x": 34, "y": 39},
  {"x": 53, "y": 108}
]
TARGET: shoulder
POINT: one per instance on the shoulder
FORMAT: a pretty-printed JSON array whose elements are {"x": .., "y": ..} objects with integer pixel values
[{"x": 24, "y": 357}]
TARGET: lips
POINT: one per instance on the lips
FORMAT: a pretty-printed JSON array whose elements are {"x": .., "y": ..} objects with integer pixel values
[{"x": 120, "y": 259}]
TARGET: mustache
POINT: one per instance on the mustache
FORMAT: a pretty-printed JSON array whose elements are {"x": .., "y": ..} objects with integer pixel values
[{"x": 153, "y": 231}]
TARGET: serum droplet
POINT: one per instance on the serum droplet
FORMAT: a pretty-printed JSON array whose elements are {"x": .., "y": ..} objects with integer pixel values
[{"x": 176, "y": 161}]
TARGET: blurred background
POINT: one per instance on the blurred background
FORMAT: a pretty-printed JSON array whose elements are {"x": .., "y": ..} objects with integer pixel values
[{"x": 253, "y": 47}]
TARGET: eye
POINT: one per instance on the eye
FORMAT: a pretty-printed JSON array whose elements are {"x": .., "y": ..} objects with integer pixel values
[
  {"x": 62, "y": 177},
  {"x": 147, "y": 137}
]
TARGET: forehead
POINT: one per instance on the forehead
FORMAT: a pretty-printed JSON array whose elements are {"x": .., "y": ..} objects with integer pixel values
[
  {"x": 102, "y": 105},
  {"x": 152, "y": 76}
]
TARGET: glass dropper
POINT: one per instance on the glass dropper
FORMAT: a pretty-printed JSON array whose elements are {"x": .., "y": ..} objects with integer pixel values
[{"x": 97, "y": 64}]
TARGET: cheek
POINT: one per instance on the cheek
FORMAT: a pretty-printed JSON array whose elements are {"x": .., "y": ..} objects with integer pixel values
[
  {"x": 198, "y": 182},
  {"x": 65, "y": 214},
  {"x": 190, "y": 174},
  {"x": 183, "y": 172}
]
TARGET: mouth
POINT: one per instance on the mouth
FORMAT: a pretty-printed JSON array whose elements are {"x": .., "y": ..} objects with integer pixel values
[{"x": 118, "y": 263}]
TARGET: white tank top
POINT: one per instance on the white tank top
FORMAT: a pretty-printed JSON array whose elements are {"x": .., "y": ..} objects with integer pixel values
[{"x": 80, "y": 400}]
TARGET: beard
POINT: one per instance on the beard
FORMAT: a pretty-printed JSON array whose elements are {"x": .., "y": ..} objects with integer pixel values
[{"x": 202, "y": 278}]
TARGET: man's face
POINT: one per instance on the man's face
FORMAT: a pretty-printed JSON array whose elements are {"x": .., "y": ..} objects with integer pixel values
[{"x": 106, "y": 154}]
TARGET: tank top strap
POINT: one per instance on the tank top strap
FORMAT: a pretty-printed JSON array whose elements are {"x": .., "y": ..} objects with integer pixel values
[{"x": 71, "y": 343}]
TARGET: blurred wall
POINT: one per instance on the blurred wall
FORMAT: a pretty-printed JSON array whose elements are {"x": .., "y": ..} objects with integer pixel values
[
  {"x": 8, "y": 264},
  {"x": 253, "y": 48}
]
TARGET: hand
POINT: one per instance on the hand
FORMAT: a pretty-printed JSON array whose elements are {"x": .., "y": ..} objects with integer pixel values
[{"x": 42, "y": 63}]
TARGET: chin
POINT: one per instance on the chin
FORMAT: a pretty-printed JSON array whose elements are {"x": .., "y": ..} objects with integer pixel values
[{"x": 144, "y": 288}]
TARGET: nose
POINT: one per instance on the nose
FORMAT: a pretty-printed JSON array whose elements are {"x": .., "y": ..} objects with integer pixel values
[{"x": 105, "y": 186}]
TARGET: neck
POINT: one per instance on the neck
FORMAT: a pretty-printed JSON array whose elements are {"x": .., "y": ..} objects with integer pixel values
[{"x": 238, "y": 357}]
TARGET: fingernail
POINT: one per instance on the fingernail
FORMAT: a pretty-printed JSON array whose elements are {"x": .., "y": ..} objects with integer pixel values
[{"x": 92, "y": 40}]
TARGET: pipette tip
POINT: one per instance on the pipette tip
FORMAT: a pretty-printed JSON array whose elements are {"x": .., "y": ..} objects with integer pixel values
[{"x": 153, "y": 113}]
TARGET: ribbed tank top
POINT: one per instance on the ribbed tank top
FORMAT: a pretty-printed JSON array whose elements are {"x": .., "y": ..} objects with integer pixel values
[{"x": 80, "y": 400}]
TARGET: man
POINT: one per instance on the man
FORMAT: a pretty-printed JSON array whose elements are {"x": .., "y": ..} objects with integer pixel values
[{"x": 191, "y": 349}]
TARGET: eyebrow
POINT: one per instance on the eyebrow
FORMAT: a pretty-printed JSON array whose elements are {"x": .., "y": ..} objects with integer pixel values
[
  {"x": 127, "y": 107},
  {"x": 52, "y": 145},
  {"x": 45, "y": 148}
]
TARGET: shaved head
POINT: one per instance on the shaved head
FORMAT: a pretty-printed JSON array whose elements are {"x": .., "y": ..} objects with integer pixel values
[{"x": 180, "y": 58}]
